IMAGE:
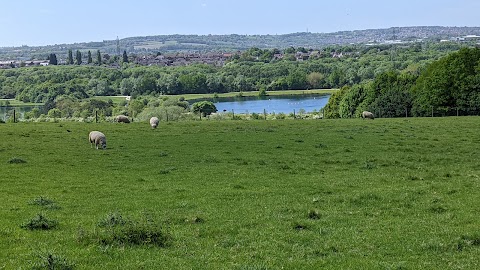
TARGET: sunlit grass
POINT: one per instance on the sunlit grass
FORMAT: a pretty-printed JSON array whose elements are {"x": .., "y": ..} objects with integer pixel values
[{"x": 297, "y": 194}]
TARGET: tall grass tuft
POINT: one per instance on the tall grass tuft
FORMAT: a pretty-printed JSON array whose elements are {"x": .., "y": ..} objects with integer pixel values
[
  {"x": 41, "y": 201},
  {"x": 314, "y": 214},
  {"x": 40, "y": 222},
  {"x": 44, "y": 202},
  {"x": 49, "y": 260},
  {"x": 466, "y": 241},
  {"x": 118, "y": 230},
  {"x": 16, "y": 160}
]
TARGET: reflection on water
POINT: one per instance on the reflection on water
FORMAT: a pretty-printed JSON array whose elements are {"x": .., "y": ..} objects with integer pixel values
[
  {"x": 272, "y": 104},
  {"x": 7, "y": 111}
]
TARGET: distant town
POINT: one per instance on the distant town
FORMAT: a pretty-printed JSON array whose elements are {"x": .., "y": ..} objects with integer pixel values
[{"x": 215, "y": 50}]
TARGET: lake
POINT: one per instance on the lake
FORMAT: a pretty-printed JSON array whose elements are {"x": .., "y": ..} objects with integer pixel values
[
  {"x": 5, "y": 110},
  {"x": 272, "y": 104}
]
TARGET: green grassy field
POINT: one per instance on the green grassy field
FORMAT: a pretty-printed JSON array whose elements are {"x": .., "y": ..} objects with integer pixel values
[
  {"x": 291, "y": 194},
  {"x": 17, "y": 103}
]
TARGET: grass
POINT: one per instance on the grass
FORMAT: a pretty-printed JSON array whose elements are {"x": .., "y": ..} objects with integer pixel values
[
  {"x": 297, "y": 194},
  {"x": 17, "y": 103}
]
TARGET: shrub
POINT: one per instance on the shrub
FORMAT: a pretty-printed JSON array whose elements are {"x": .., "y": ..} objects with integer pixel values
[
  {"x": 40, "y": 222},
  {"x": 204, "y": 107}
]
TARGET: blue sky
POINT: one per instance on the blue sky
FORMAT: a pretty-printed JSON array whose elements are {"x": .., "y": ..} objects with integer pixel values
[{"x": 48, "y": 22}]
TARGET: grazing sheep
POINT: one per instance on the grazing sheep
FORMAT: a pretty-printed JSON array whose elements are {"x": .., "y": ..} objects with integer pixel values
[
  {"x": 98, "y": 138},
  {"x": 154, "y": 122},
  {"x": 122, "y": 119},
  {"x": 368, "y": 115}
]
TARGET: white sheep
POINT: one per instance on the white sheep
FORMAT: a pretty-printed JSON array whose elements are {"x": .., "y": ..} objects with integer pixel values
[
  {"x": 97, "y": 138},
  {"x": 122, "y": 119},
  {"x": 154, "y": 122},
  {"x": 368, "y": 115}
]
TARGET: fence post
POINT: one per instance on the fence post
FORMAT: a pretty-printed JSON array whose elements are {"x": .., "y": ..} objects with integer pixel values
[
  {"x": 96, "y": 116},
  {"x": 406, "y": 113},
  {"x": 14, "y": 116},
  {"x": 233, "y": 115},
  {"x": 264, "y": 114},
  {"x": 457, "y": 111},
  {"x": 166, "y": 113},
  {"x": 294, "y": 117},
  {"x": 432, "y": 111}
]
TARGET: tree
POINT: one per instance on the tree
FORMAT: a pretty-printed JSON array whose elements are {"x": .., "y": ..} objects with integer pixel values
[
  {"x": 204, "y": 107},
  {"x": 125, "y": 57},
  {"x": 78, "y": 58},
  {"x": 99, "y": 58},
  {"x": 52, "y": 59},
  {"x": 89, "y": 59},
  {"x": 315, "y": 79},
  {"x": 70, "y": 57}
]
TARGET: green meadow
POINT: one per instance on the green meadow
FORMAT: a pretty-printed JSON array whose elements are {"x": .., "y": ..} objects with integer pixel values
[{"x": 284, "y": 194}]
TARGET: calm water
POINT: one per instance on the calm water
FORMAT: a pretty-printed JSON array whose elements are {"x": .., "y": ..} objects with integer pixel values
[
  {"x": 5, "y": 110},
  {"x": 277, "y": 104}
]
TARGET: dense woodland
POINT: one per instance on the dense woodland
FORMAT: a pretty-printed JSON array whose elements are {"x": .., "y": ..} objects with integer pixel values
[
  {"x": 389, "y": 80},
  {"x": 448, "y": 86}
]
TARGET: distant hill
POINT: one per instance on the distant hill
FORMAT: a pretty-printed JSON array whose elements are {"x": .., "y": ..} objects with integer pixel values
[{"x": 234, "y": 42}]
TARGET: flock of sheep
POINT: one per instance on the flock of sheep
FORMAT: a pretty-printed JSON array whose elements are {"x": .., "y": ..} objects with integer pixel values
[{"x": 98, "y": 139}]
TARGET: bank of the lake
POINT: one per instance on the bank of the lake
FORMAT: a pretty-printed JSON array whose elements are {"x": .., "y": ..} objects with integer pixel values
[{"x": 190, "y": 97}]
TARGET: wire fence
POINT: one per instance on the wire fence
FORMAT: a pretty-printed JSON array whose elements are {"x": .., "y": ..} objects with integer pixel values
[{"x": 12, "y": 114}]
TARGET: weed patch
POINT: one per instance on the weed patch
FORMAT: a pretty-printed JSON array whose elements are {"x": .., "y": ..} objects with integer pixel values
[
  {"x": 369, "y": 165},
  {"x": 314, "y": 214},
  {"x": 321, "y": 146},
  {"x": 49, "y": 260},
  {"x": 300, "y": 226},
  {"x": 118, "y": 230},
  {"x": 438, "y": 209},
  {"x": 40, "y": 222},
  {"x": 163, "y": 154},
  {"x": 45, "y": 202},
  {"x": 166, "y": 170},
  {"x": 16, "y": 160},
  {"x": 466, "y": 241}
]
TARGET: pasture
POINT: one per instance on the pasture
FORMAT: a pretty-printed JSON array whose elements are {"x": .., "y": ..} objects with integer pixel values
[{"x": 291, "y": 194}]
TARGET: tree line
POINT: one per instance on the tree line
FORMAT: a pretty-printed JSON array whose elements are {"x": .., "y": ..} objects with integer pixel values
[
  {"x": 253, "y": 70},
  {"x": 444, "y": 87}
]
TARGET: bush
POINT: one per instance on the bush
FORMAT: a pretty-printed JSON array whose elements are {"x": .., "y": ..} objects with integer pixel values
[{"x": 204, "y": 107}]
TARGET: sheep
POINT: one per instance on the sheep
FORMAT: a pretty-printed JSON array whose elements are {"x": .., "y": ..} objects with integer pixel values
[
  {"x": 368, "y": 115},
  {"x": 122, "y": 119},
  {"x": 98, "y": 138},
  {"x": 154, "y": 122}
]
